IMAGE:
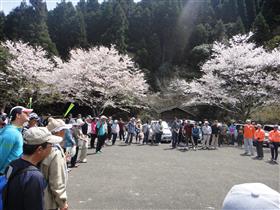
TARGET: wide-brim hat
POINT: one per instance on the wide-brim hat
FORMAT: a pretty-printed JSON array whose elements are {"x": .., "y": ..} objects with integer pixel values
[
  {"x": 56, "y": 125},
  {"x": 103, "y": 117},
  {"x": 40, "y": 135}
]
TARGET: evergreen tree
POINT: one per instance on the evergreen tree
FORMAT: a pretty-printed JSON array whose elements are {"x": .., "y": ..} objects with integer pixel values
[
  {"x": 140, "y": 27},
  {"x": 271, "y": 12},
  {"x": 239, "y": 26},
  {"x": 242, "y": 11},
  {"x": 154, "y": 51},
  {"x": 40, "y": 26},
  {"x": 128, "y": 7},
  {"x": 219, "y": 31},
  {"x": 67, "y": 28},
  {"x": 205, "y": 12},
  {"x": 91, "y": 14},
  {"x": 260, "y": 29},
  {"x": 199, "y": 36},
  {"x": 230, "y": 11},
  {"x": 2, "y": 22},
  {"x": 92, "y": 5},
  {"x": 117, "y": 25},
  {"x": 251, "y": 11},
  {"x": 28, "y": 23}
]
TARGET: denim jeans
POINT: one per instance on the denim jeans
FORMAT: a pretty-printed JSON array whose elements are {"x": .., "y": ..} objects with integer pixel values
[{"x": 248, "y": 145}]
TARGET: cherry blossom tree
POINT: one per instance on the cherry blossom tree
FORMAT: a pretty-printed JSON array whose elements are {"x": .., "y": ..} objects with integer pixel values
[
  {"x": 99, "y": 77},
  {"x": 239, "y": 77},
  {"x": 19, "y": 80}
]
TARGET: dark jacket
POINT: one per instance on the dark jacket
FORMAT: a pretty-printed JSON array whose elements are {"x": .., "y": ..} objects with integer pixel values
[{"x": 26, "y": 190}]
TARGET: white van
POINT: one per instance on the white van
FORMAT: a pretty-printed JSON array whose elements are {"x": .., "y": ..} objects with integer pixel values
[{"x": 166, "y": 132}]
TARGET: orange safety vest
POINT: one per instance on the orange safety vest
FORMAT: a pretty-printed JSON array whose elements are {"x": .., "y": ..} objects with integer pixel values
[
  {"x": 259, "y": 135},
  {"x": 249, "y": 131},
  {"x": 274, "y": 136}
]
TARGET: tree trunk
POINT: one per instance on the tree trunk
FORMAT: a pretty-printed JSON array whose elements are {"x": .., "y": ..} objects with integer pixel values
[{"x": 3, "y": 107}]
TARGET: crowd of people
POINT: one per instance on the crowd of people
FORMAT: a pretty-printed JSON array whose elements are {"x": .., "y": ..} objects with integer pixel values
[
  {"x": 218, "y": 134},
  {"x": 37, "y": 154}
]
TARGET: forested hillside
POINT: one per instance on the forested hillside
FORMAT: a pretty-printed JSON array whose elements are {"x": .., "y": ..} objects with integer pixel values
[{"x": 167, "y": 38}]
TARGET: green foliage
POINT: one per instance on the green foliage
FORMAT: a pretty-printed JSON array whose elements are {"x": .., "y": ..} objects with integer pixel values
[
  {"x": 161, "y": 34},
  {"x": 267, "y": 114},
  {"x": 271, "y": 12},
  {"x": 219, "y": 31},
  {"x": 199, "y": 36},
  {"x": 243, "y": 12},
  {"x": 230, "y": 11},
  {"x": 273, "y": 43},
  {"x": 251, "y": 11},
  {"x": 4, "y": 56},
  {"x": 28, "y": 23},
  {"x": 199, "y": 54},
  {"x": 2, "y": 22},
  {"x": 114, "y": 25},
  {"x": 261, "y": 29},
  {"x": 67, "y": 28}
]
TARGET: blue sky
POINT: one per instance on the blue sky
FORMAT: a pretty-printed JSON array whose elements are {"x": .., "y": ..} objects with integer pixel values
[{"x": 8, "y": 5}]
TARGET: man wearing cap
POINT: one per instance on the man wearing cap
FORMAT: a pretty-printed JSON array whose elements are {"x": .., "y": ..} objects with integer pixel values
[
  {"x": 33, "y": 121},
  {"x": 131, "y": 126},
  {"x": 249, "y": 131},
  {"x": 25, "y": 189},
  {"x": 54, "y": 169},
  {"x": 274, "y": 138},
  {"x": 11, "y": 140},
  {"x": 259, "y": 137},
  {"x": 206, "y": 131}
]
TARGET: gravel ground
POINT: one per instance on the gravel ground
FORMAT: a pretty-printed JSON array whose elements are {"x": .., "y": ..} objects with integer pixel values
[{"x": 158, "y": 177}]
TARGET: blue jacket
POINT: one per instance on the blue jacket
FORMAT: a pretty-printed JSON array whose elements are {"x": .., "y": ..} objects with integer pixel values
[
  {"x": 195, "y": 132},
  {"x": 11, "y": 143},
  {"x": 131, "y": 128},
  {"x": 101, "y": 128},
  {"x": 69, "y": 141}
]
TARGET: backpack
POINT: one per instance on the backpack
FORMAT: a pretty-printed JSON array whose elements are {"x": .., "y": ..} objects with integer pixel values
[{"x": 4, "y": 185}]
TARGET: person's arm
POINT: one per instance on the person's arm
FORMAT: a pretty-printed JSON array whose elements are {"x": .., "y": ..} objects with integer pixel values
[
  {"x": 270, "y": 136},
  {"x": 262, "y": 135},
  {"x": 69, "y": 138},
  {"x": 118, "y": 128},
  {"x": 10, "y": 150},
  {"x": 34, "y": 192},
  {"x": 57, "y": 180}
]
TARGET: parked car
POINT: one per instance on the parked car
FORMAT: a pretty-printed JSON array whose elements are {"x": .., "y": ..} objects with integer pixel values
[{"x": 166, "y": 135}]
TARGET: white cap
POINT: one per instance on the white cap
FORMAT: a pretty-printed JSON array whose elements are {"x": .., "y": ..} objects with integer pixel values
[
  {"x": 251, "y": 196},
  {"x": 40, "y": 135}
]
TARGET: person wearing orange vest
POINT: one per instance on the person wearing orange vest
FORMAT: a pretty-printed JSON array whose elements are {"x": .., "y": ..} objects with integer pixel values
[
  {"x": 259, "y": 137},
  {"x": 249, "y": 131},
  {"x": 274, "y": 138}
]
